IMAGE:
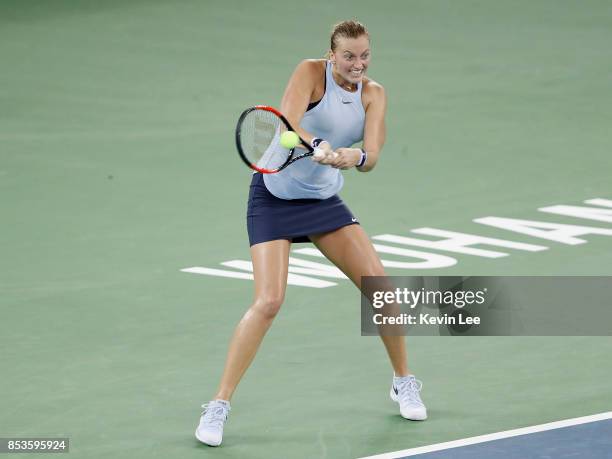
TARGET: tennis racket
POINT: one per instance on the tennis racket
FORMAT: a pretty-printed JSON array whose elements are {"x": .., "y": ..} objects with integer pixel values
[{"x": 258, "y": 140}]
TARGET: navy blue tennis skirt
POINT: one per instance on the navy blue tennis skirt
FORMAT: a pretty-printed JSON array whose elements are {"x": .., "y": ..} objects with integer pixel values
[{"x": 270, "y": 218}]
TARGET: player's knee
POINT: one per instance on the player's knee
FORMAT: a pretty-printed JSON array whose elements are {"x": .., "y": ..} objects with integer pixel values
[
  {"x": 375, "y": 269},
  {"x": 268, "y": 305}
]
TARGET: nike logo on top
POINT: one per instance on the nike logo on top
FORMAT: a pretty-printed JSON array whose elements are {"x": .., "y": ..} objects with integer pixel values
[{"x": 346, "y": 101}]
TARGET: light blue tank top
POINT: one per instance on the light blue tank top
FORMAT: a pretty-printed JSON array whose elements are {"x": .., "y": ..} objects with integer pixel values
[{"x": 338, "y": 118}]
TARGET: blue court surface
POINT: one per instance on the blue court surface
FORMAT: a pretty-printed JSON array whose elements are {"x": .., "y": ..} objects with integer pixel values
[{"x": 588, "y": 437}]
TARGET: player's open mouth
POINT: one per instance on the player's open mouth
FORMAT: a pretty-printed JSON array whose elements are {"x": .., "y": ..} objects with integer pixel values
[{"x": 356, "y": 72}]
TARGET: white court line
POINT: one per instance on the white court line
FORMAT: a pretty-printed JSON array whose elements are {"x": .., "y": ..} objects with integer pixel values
[{"x": 493, "y": 436}]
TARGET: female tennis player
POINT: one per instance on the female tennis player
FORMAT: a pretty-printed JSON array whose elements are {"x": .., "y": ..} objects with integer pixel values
[{"x": 335, "y": 106}]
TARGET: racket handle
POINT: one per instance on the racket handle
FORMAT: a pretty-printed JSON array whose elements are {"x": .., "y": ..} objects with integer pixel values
[{"x": 318, "y": 154}]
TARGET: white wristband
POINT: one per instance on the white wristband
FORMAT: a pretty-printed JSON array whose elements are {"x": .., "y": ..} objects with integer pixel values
[
  {"x": 364, "y": 158},
  {"x": 316, "y": 142}
]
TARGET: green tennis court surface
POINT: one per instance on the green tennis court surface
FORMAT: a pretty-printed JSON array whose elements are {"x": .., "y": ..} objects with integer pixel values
[{"x": 118, "y": 170}]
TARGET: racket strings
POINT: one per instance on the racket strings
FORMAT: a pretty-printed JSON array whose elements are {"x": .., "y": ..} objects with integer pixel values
[{"x": 260, "y": 139}]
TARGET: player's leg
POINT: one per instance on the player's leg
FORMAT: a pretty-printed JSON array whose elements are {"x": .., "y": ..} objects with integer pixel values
[
  {"x": 270, "y": 265},
  {"x": 351, "y": 250}
]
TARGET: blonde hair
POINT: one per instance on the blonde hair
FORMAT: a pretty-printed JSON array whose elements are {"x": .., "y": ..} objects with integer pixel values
[{"x": 346, "y": 29}]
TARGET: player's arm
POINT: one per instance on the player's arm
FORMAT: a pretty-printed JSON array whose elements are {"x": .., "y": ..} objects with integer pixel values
[
  {"x": 375, "y": 131},
  {"x": 298, "y": 93}
]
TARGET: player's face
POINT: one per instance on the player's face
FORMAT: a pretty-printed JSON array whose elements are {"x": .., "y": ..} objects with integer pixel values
[{"x": 352, "y": 57}]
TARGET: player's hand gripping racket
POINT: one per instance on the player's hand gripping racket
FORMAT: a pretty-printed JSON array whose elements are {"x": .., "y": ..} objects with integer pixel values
[{"x": 258, "y": 140}]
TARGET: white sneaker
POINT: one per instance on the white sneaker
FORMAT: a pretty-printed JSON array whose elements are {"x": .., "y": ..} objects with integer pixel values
[
  {"x": 405, "y": 391},
  {"x": 210, "y": 429}
]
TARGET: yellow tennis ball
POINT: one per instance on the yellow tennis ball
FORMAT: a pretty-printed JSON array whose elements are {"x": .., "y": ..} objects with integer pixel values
[{"x": 289, "y": 139}]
